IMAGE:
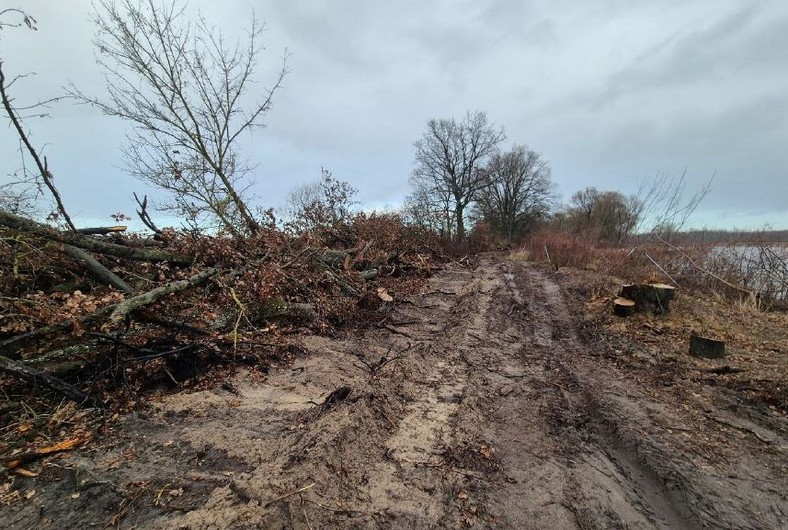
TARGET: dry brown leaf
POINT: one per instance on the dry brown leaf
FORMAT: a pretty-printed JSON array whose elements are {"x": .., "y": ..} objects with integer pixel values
[{"x": 384, "y": 295}]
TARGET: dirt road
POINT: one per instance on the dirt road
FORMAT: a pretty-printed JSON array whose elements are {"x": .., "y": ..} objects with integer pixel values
[{"x": 481, "y": 403}]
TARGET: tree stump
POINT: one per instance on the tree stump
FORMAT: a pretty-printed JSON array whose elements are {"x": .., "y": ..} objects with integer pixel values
[
  {"x": 706, "y": 348},
  {"x": 623, "y": 307},
  {"x": 653, "y": 297}
]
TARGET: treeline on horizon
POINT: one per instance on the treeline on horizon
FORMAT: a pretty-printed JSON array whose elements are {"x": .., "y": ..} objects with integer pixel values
[{"x": 720, "y": 236}]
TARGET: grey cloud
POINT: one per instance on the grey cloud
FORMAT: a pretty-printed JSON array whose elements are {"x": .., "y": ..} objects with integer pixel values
[{"x": 609, "y": 92}]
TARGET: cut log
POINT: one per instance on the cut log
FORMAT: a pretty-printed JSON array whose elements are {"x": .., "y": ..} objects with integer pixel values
[
  {"x": 67, "y": 369},
  {"x": 652, "y": 297},
  {"x": 706, "y": 348},
  {"x": 101, "y": 230},
  {"x": 99, "y": 271},
  {"x": 623, "y": 307}
]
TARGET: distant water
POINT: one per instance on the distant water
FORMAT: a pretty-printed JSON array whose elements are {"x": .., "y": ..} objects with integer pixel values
[{"x": 759, "y": 268}]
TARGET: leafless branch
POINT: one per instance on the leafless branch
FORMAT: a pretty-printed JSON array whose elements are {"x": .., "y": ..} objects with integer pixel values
[
  {"x": 43, "y": 169},
  {"x": 183, "y": 87}
]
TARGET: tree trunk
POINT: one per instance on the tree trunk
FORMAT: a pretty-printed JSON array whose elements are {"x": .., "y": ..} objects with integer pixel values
[
  {"x": 251, "y": 224},
  {"x": 124, "y": 308},
  {"x": 458, "y": 213},
  {"x": 708, "y": 348},
  {"x": 623, "y": 307}
]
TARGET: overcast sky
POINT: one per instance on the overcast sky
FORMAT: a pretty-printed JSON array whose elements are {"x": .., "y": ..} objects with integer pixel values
[{"x": 609, "y": 92}]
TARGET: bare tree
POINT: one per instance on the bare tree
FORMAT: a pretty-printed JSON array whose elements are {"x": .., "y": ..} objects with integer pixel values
[
  {"x": 184, "y": 89},
  {"x": 322, "y": 204},
  {"x": 665, "y": 205},
  {"x": 449, "y": 158},
  {"x": 23, "y": 19},
  {"x": 520, "y": 191},
  {"x": 608, "y": 216},
  {"x": 429, "y": 210}
]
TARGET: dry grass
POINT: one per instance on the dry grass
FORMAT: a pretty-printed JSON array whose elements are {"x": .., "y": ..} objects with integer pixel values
[
  {"x": 753, "y": 274},
  {"x": 559, "y": 249},
  {"x": 716, "y": 298},
  {"x": 756, "y": 341}
]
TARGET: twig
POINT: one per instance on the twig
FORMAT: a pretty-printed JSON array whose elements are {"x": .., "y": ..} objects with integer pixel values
[
  {"x": 43, "y": 170},
  {"x": 663, "y": 271},
  {"x": 446, "y": 467},
  {"x": 144, "y": 215},
  {"x": 621, "y": 262},
  {"x": 398, "y": 332},
  {"x": 303, "y": 510},
  {"x": 286, "y": 495},
  {"x": 555, "y": 265}
]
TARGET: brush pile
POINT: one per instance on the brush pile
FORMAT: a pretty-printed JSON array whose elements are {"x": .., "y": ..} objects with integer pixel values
[{"x": 102, "y": 318}]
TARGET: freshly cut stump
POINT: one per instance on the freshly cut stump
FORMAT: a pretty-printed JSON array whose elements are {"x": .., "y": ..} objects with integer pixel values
[
  {"x": 654, "y": 297},
  {"x": 623, "y": 307}
]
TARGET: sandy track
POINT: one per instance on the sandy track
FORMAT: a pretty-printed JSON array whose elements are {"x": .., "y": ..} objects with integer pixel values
[{"x": 479, "y": 405}]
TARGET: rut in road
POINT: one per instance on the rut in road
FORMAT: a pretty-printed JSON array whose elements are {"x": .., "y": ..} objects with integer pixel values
[
  {"x": 503, "y": 402},
  {"x": 483, "y": 419}
]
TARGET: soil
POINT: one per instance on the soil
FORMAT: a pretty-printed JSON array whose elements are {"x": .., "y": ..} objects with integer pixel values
[{"x": 489, "y": 400}]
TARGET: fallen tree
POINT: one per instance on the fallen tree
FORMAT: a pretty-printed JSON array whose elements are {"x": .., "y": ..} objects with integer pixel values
[{"x": 88, "y": 243}]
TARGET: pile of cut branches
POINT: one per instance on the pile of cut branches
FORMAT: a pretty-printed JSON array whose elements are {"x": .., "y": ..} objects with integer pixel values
[{"x": 102, "y": 318}]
